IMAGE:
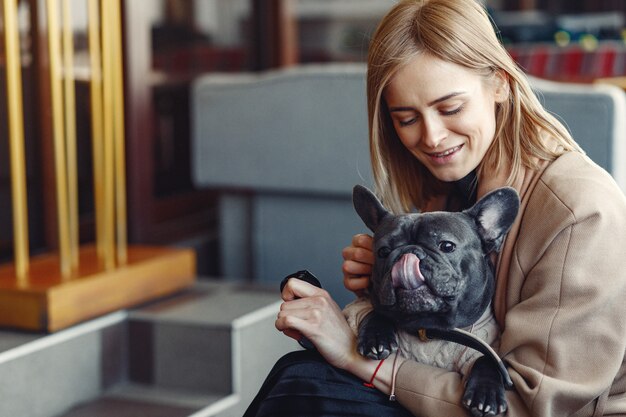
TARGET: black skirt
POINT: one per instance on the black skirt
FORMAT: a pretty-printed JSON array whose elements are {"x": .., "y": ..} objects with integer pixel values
[{"x": 303, "y": 384}]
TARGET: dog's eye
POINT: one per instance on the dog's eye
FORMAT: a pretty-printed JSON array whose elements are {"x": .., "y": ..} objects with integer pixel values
[
  {"x": 384, "y": 252},
  {"x": 447, "y": 246}
]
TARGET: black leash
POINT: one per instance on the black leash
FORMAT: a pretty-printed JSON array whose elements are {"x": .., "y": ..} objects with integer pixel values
[
  {"x": 468, "y": 339},
  {"x": 459, "y": 336}
]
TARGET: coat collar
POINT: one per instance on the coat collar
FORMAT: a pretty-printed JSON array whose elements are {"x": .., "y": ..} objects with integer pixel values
[{"x": 524, "y": 184}]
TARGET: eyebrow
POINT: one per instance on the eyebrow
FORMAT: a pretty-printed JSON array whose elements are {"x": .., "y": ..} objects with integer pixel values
[{"x": 432, "y": 103}]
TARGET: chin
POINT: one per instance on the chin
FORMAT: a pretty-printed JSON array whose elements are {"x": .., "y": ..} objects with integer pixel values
[
  {"x": 450, "y": 176},
  {"x": 449, "y": 172}
]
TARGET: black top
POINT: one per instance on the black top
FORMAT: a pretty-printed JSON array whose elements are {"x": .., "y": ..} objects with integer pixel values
[{"x": 465, "y": 190}]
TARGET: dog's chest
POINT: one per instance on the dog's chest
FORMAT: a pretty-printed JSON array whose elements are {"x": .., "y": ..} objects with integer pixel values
[
  {"x": 442, "y": 354},
  {"x": 448, "y": 355}
]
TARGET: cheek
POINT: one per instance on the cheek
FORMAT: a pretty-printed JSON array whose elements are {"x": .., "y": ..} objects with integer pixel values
[
  {"x": 410, "y": 142},
  {"x": 487, "y": 133},
  {"x": 406, "y": 141},
  {"x": 481, "y": 128},
  {"x": 409, "y": 137}
]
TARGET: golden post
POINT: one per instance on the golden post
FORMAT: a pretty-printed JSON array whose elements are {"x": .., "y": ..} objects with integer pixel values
[
  {"x": 59, "y": 139},
  {"x": 97, "y": 134},
  {"x": 16, "y": 140},
  {"x": 120, "y": 158},
  {"x": 108, "y": 169},
  {"x": 70, "y": 129}
]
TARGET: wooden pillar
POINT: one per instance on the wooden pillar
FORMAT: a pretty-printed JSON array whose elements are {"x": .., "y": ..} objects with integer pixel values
[{"x": 275, "y": 34}]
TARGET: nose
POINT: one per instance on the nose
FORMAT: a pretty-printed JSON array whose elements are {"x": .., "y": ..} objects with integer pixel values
[
  {"x": 434, "y": 132},
  {"x": 419, "y": 252}
]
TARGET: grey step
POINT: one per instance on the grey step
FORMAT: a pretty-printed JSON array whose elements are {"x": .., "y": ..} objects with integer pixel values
[
  {"x": 219, "y": 337},
  {"x": 46, "y": 374},
  {"x": 158, "y": 395},
  {"x": 202, "y": 353}
]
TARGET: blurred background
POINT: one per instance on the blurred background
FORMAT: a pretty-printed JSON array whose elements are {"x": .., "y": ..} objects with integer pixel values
[
  {"x": 241, "y": 144},
  {"x": 167, "y": 44}
]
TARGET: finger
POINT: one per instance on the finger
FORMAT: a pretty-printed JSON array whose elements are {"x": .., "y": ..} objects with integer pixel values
[
  {"x": 357, "y": 253},
  {"x": 296, "y": 306},
  {"x": 294, "y": 334},
  {"x": 356, "y": 284},
  {"x": 301, "y": 320},
  {"x": 291, "y": 332},
  {"x": 353, "y": 269},
  {"x": 297, "y": 288},
  {"x": 363, "y": 240},
  {"x": 288, "y": 322}
]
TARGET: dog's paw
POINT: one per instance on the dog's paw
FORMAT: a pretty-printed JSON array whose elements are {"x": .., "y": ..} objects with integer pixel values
[
  {"x": 377, "y": 346},
  {"x": 485, "y": 401},
  {"x": 377, "y": 338},
  {"x": 484, "y": 392}
]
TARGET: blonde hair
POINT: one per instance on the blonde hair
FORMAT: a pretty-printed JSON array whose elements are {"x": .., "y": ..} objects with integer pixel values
[{"x": 457, "y": 31}]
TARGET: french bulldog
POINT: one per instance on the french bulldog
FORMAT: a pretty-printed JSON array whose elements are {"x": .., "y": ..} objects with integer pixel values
[{"x": 434, "y": 271}]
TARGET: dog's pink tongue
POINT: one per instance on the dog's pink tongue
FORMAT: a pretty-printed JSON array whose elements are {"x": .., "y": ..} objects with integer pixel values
[{"x": 406, "y": 273}]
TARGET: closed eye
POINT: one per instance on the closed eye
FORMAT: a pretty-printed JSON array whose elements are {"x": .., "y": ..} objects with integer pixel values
[
  {"x": 453, "y": 111},
  {"x": 408, "y": 122},
  {"x": 413, "y": 120}
]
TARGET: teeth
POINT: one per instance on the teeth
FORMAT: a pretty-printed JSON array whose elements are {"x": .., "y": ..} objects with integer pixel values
[{"x": 448, "y": 152}]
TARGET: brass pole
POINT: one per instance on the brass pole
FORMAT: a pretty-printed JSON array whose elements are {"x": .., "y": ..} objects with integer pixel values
[
  {"x": 107, "y": 83},
  {"x": 59, "y": 139},
  {"x": 70, "y": 130},
  {"x": 16, "y": 140},
  {"x": 97, "y": 134},
  {"x": 120, "y": 154}
]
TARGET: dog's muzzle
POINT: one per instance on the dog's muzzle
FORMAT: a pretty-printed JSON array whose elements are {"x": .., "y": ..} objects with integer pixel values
[
  {"x": 406, "y": 274},
  {"x": 406, "y": 290}
]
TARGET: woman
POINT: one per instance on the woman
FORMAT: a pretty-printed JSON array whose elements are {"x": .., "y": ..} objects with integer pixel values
[{"x": 452, "y": 118}]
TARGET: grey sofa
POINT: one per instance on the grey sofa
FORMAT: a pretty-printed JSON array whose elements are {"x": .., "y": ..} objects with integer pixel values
[{"x": 284, "y": 149}]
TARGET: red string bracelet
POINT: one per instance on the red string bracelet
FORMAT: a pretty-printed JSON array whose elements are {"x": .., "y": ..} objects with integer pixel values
[{"x": 371, "y": 383}]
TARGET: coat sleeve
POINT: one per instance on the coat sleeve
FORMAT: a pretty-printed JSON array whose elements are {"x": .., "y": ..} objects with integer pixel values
[{"x": 565, "y": 335}]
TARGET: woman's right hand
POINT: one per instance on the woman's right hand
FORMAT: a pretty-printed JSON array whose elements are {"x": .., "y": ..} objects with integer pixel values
[{"x": 358, "y": 259}]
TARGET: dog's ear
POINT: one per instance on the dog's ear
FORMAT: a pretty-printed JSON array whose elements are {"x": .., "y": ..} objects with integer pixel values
[
  {"x": 368, "y": 207},
  {"x": 494, "y": 215}
]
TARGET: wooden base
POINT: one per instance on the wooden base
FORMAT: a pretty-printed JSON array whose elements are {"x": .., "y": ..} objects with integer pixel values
[{"x": 46, "y": 301}]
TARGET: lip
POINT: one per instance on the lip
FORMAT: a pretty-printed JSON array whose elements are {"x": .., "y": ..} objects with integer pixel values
[{"x": 446, "y": 156}]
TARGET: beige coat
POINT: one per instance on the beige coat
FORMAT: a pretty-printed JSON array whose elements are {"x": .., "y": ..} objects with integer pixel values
[{"x": 560, "y": 300}]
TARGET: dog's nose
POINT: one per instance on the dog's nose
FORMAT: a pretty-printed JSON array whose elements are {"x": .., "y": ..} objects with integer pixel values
[{"x": 419, "y": 252}]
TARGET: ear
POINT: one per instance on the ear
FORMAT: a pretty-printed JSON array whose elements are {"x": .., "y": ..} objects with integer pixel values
[
  {"x": 494, "y": 215},
  {"x": 368, "y": 207},
  {"x": 501, "y": 86}
]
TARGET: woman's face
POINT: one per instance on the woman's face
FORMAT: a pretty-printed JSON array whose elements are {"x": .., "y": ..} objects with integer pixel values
[{"x": 444, "y": 114}]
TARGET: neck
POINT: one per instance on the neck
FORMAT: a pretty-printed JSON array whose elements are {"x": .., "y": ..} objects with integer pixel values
[{"x": 466, "y": 189}]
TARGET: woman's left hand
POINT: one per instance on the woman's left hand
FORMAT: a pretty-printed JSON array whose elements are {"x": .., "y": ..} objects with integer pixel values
[{"x": 309, "y": 311}]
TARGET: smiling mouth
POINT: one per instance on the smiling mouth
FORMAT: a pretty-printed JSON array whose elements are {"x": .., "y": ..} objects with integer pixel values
[{"x": 445, "y": 153}]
